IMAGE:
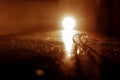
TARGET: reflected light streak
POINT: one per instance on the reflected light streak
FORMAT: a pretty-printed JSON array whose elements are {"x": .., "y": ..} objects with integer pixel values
[
  {"x": 67, "y": 36},
  {"x": 78, "y": 51}
]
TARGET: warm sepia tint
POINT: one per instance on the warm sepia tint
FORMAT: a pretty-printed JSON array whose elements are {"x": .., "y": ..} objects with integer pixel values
[
  {"x": 59, "y": 39},
  {"x": 68, "y": 23},
  {"x": 67, "y": 36}
]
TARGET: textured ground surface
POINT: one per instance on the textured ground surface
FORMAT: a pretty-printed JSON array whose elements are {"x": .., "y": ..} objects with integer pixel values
[{"x": 41, "y": 56}]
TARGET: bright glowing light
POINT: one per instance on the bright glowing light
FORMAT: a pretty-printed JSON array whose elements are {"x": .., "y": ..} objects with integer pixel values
[
  {"x": 68, "y": 23},
  {"x": 78, "y": 51},
  {"x": 67, "y": 36}
]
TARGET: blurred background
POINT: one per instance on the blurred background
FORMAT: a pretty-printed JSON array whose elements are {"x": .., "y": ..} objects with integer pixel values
[{"x": 99, "y": 16}]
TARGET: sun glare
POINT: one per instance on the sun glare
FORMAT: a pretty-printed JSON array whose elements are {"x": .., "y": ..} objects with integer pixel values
[
  {"x": 68, "y": 23},
  {"x": 68, "y": 33}
]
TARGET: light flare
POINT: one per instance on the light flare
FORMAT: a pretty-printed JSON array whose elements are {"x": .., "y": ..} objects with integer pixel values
[
  {"x": 68, "y": 23},
  {"x": 68, "y": 33},
  {"x": 67, "y": 36},
  {"x": 78, "y": 51}
]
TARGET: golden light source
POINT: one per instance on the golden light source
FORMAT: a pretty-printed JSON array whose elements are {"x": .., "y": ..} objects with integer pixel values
[
  {"x": 67, "y": 34},
  {"x": 68, "y": 23}
]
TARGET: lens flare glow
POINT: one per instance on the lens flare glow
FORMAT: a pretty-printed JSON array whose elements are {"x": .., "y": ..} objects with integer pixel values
[
  {"x": 68, "y": 33},
  {"x": 68, "y": 23},
  {"x": 67, "y": 36}
]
